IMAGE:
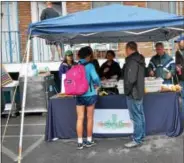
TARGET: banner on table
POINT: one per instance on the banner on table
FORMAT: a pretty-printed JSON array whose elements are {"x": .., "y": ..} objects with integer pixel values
[{"x": 112, "y": 121}]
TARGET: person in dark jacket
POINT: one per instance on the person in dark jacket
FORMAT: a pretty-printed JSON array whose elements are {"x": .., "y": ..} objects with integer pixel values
[
  {"x": 162, "y": 65},
  {"x": 66, "y": 64},
  {"x": 49, "y": 13},
  {"x": 179, "y": 56},
  {"x": 110, "y": 69},
  {"x": 134, "y": 71}
]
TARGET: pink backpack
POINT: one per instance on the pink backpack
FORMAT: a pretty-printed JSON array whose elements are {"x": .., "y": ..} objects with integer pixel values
[{"x": 76, "y": 82}]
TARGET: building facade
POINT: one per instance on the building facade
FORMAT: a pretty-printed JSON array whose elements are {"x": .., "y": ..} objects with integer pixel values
[{"x": 16, "y": 16}]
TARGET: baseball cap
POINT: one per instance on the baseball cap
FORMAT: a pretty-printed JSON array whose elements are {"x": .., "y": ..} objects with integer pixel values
[{"x": 68, "y": 52}]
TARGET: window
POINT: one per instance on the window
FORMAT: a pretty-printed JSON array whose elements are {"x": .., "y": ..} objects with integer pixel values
[
  {"x": 104, "y": 46},
  {"x": 164, "y": 6},
  {"x": 100, "y": 47},
  {"x": 114, "y": 46},
  {"x": 9, "y": 33},
  {"x": 103, "y": 3}
]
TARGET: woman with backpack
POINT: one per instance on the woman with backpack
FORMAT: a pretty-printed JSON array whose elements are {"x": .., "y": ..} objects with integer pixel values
[
  {"x": 87, "y": 100},
  {"x": 66, "y": 64}
]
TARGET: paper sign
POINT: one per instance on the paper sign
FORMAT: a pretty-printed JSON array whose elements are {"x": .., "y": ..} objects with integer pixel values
[
  {"x": 113, "y": 121},
  {"x": 62, "y": 83}
]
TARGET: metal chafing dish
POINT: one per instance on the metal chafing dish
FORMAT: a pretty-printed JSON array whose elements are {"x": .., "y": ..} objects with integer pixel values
[{"x": 111, "y": 83}]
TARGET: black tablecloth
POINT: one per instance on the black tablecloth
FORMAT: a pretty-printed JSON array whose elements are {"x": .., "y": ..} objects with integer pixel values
[{"x": 162, "y": 113}]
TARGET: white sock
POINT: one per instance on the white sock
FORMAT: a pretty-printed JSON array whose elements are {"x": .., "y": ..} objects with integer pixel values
[
  {"x": 80, "y": 140},
  {"x": 89, "y": 139}
]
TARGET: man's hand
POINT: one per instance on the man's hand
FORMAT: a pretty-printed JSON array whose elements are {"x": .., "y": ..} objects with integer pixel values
[
  {"x": 169, "y": 75},
  {"x": 152, "y": 74},
  {"x": 178, "y": 67}
]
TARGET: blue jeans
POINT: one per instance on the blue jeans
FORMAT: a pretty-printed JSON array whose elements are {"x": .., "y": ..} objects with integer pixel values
[
  {"x": 182, "y": 97},
  {"x": 136, "y": 113}
]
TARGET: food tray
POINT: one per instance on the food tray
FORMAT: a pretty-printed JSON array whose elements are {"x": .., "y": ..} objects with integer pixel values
[
  {"x": 152, "y": 89},
  {"x": 109, "y": 83},
  {"x": 153, "y": 82}
]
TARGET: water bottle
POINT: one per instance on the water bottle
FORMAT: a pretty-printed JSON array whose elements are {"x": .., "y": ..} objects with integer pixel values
[{"x": 34, "y": 69}]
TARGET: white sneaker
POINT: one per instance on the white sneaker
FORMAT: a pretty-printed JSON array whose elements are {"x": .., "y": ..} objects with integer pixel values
[
  {"x": 55, "y": 139},
  {"x": 132, "y": 144}
]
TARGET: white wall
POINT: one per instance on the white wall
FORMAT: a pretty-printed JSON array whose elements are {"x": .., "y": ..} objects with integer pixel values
[{"x": 53, "y": 66}]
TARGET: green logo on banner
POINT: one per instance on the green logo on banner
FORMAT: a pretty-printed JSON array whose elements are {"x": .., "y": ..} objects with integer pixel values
[{"x": 113, "y": 123}]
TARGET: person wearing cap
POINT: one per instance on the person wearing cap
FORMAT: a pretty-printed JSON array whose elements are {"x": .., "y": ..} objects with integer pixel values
[
  {"x": 162, "y": 65},
  {"x": 179, "y": 56},
  {"x": 67, "y": 63}
]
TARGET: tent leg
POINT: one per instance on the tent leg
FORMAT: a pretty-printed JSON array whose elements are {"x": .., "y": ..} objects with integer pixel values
[{"x": 24, "y": 101}]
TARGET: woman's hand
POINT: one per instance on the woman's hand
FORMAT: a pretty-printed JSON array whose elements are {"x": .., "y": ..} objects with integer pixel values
[
  {"x": 97, "y": 89},
  {"x": 103, "y": 78},
  {"x": 106, "y": 70}
]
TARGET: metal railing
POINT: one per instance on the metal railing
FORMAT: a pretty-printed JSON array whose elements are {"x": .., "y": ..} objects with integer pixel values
[{"x": 10, "y": 54}]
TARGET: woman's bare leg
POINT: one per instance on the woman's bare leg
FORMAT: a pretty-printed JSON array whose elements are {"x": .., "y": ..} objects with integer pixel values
[
  {"x": 80, "y": 121},
  {"x": 90, "y": 115}
]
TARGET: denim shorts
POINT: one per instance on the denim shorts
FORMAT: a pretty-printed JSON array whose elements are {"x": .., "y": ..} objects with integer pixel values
[{"x": 86, "y": 100}]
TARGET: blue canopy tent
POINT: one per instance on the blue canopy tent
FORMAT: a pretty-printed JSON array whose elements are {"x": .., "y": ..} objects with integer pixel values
[
  {"x": 114, "y": 23},
  {"x": 179, "y": 39}
]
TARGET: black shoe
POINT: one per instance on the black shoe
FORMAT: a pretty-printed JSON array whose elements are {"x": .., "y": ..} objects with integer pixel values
[
  {"x": 89, "y": 144},
  {"x": 80, "y": 146}
]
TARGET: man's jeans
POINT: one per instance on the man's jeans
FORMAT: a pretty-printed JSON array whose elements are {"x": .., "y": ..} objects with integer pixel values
[
  {"x": 136, "y": 113},
  {"x": 182, "y": 97}
]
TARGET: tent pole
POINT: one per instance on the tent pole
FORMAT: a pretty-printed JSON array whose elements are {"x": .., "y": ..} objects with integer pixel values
[{"x": 24, "y": 100}]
